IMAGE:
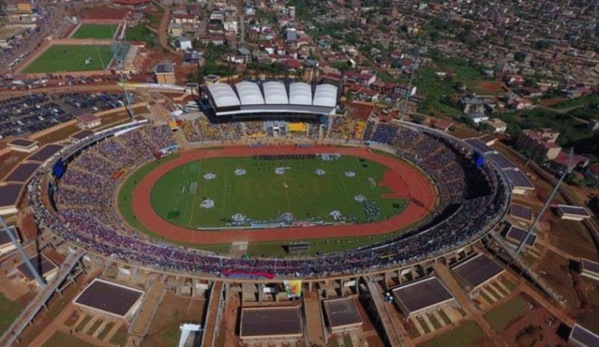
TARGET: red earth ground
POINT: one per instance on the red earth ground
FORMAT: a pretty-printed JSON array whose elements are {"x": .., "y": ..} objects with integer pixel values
[
  {"x": 404, "y": 179},
  {"x": 491, "y": 87}
]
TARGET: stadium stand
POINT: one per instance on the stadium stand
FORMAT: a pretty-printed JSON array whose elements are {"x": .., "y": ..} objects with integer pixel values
[{"x": 473, "y": 200}]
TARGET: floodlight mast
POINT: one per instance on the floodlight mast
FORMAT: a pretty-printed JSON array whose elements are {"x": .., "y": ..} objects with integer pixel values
[
  {"x": 407, "y": 96},
  {"x": 120, "y": 70},
  {"x": 40, "y": 280},
  {"x": 555, "y": 189}
]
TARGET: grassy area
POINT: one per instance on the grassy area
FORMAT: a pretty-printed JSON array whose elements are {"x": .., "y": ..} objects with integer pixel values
[
  {"x": 60, "y": 339},
  {"x": 263, "y": 196},
  {"x": 94, "y": 327},
  {"x": 573, "y": 238},
  {"x": 500, "y": 317},
  {"x": 120, "y": 337},
  {"x": 580, "y": 101},
  {"x": 467, "y": 334},
  {"x": 445, "y": 317},
  {"x": 435, "y": 89},
  {"x": 486, "y": 297},
  {"x": 10, "y": 310},
  {"x": 84, "y": 322},
  {"x": 141, "y": 32},
  {"x": 96, "y": 31},
  {"x": 71, "y": 58},
  {"x": 255, "y": 249},
  {"x": 105, "y": 331}
]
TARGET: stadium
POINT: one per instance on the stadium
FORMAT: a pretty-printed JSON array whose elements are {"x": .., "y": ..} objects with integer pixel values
[{"x": 97, "y": 191}]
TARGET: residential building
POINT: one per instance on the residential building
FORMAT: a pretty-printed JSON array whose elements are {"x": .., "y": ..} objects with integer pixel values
[{"x": 539, "y": 143}]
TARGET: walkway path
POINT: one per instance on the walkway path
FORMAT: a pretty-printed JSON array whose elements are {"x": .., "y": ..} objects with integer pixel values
[
  {"x": 388, "y": 324},
  {"x": 41, "y": 298},
  {"x": 453, "y": 285}
]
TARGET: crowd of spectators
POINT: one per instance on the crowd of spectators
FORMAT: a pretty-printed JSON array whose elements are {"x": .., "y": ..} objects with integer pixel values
[
  {"x": 369, "y": 130},
  {"x": 313, "y": 131},
  {"x": 208, "y": 131},
  {"x": 254, "y": 128},
  {"x": 385, "y": 133},
  {"x": 190, "y": 131},
  {"x": 97, "y": 228},
  {"x": 342, "y": 128}
]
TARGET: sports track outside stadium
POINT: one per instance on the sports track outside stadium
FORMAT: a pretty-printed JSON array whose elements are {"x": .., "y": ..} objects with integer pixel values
[{"x": 463, "y": 220}]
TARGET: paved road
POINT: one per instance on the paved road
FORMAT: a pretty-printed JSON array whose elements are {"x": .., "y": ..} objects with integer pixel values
[{"x": 163, "y": 27}]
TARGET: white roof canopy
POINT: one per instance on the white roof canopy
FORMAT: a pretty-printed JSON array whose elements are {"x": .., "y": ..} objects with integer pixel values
[
  {"x": 300, "y": 93},
  {"x": 249, "y": 93},
  {"x": 272, "y": 95},
  {"x": 275, "y": 93}
]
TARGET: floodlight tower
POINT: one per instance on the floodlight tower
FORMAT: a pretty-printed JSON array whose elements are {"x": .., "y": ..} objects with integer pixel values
[
  {"x": 40, "y": 280},
  {"x": 555, "y": 189},
  {"x": 120, "y": 66},
  {"x": 413, "y": 72}
]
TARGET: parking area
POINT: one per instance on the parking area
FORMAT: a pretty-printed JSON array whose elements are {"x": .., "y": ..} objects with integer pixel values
[
  {"x": 28, "y": 114},
  {"x": 24, "y": 115}
]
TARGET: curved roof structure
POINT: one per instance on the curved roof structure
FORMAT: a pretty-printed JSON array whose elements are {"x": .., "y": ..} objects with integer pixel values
[
  {"x": 275, "y": 93},
  {"x": 325, "y": 95},
  {"x": 249, "y": 93},
  {"x": 223, "y": 95},
  {"x": 254, "y": 98},
  {"x": 300, "y": 93}
]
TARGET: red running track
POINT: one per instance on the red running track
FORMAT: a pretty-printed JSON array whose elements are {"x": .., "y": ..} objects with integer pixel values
[{"x": 408, "y": 181}]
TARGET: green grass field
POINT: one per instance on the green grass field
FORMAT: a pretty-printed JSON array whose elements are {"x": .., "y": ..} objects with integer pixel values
[
  {"x": 60, "y": 339},
  {"x": 71, "y": 58},
  {"x": 467, "y": 334},
  {"x": 10, "y": 310},
  {"x": 263, "y": 196},
  {"x": 500, "y": 317},
  {"x": 96, "y": 31}
]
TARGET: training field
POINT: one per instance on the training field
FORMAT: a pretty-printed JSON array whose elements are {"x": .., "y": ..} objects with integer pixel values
[
  {"x": 95, "y": 31},
  {"x": 71, "y": 58},
  {"x": 241, "y": 191}
]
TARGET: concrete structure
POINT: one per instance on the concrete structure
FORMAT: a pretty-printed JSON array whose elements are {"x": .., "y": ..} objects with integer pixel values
[
  {"x": 478, "y": 271},
  {"x": 516, "y": 235},
  {"x": 271, "y": 325},
  {"x": 272, "y": 97},
  {"x": 165, "y": 73},
  {"x": 575, "y": 213},
  {"x": 110, "y": 300},
  {"x": 88, "y": 121},
  {"x": 521, "y": 212},
  {"x": 10, "y": 194},
  {"x": 540, "y": 144},
  {"x": 476, "y": 117},
  {"x": 23, "y": 145},
  {"x": 582, "y": 337},
  {"x": 44, "y": 266},
  {"x": 22, "y": 173},
  {"x": 45, "y": 153},
  {"x": 6, "y": 244},
  {"x": 589, "y": 269},
  {"x": 520, "y": 183},
  {"x": 342, "y": 315},
  {"x": 498, "y": 126},
  {"x": 422, "y": 296}
]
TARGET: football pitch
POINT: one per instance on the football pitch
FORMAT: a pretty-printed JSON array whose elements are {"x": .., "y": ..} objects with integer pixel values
[
  {"x": 247, "y": 191},
  {"x": 71, "y": 58},
  {"x": 96, "y": 31}
]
